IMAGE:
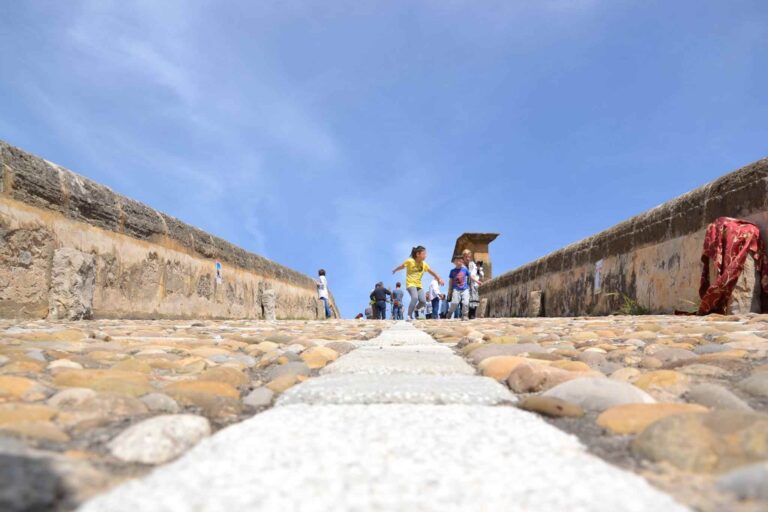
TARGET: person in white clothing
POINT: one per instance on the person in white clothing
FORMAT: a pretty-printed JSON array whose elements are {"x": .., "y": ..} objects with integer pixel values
[
  {"x": 434, "y": 298},
  {"x": 322, "y": 291},
  {"x": 476, "y": 276}
]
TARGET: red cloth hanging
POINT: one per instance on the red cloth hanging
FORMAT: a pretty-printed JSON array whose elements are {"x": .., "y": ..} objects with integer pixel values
[{"x": 728, "y": 242}]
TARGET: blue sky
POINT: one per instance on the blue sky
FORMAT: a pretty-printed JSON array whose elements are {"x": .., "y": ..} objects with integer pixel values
[{"x": 338, "y": 134}]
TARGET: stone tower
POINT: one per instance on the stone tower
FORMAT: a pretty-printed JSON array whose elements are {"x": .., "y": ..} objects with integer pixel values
[{"x": 478, "y": 244}]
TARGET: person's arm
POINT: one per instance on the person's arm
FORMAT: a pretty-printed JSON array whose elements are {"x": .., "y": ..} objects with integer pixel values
[
  {"x": 371, "y": 295},
  {"x": 398, "y": 268},
  {"x": 439, "y": 279}
]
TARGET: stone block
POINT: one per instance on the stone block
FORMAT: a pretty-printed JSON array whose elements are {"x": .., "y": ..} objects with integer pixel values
[
  {"x": 73, "y": 275},
  {"x": 536, "y": 304},
  {"x": 746, "y": 295},
  {"x": 268, "y": 304},
  {"x": 482, "y": 310}
]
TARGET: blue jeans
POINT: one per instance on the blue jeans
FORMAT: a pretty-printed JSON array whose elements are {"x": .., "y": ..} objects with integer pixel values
[
  {"x": 327, "y": 307},
  {"x": 397, "y": 312},
  {"x": 435, "y": 308},
  {"x": 381, "y": 311}
]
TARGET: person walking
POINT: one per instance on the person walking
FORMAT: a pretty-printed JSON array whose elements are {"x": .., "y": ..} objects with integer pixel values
[
  {"x": 434, "y": 297},
  {"x": 397, "y": 302},
  {"x": 458, "y": 288},
  {"x": 322, "y": 291},
  {"x": 415, "y": 266},
  {"x": 379, "y": 295},
  {"x": 476, "y": 276},
  {"x": 443, "y": 307}
]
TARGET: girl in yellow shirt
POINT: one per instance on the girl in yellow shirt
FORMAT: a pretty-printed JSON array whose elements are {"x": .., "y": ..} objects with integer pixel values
[{"x": 415, "y": 266}]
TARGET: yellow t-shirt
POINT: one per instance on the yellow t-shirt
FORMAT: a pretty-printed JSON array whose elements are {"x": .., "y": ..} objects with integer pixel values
[{"x": 414, "y": 271}]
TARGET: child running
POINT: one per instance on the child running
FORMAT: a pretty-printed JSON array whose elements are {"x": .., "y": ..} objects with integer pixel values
[
  {"x": 458, "y": 288},
  {"x": 415, "y": 266}
]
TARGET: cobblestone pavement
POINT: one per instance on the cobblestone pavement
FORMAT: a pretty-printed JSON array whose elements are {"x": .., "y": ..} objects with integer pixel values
[
  {"x": 412, "y": 455},
  {"x": 86, "y": 405},
  {"x": 680, "y": 401}
]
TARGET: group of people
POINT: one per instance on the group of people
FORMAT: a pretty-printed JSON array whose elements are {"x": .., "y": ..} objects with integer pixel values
[{"x": 462, "y": 299}]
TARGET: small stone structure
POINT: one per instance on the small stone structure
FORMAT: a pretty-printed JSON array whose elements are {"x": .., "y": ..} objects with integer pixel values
[
  {"x": 478, "y": 244},
  {"x": 653, "y": 259},
  {"x": 72, "y": 249},
  {"x": 536, "y": 304},
  {"x": 746, "y": 295}
]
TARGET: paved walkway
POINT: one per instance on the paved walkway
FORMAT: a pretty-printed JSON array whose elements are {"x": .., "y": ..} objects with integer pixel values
[{"x": 400, "y": 424}]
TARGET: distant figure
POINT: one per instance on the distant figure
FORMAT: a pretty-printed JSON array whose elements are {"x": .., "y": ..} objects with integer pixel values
[
  {"x": 415, "y": 266},
  {"x": 397, "y": 302},
  {"x": 379, "y": 295},
  {"x": 359, "y": 317},
  {"x": 443, "y": 307},
  {"x": 434, "y": 297},
  {"x": 322, "y": 291},
  {"x": 458, "y": 288},
  {"x": 369, "y": 312},
  {"x": 476, "y": 275}
]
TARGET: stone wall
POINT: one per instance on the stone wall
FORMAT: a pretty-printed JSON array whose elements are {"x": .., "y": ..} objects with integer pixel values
[
  {"x": 653, "y": 258},
  {"x": 71, "y": 248}
]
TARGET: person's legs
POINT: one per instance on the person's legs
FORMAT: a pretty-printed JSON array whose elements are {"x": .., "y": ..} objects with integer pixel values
[
  {"x": 414, "y": 293},
  {"x": 422, "y": 298},
  {"x": 435, "y": 308},
  {"x": 381, "y": 311},
  {"x": 472, "y": 310},
  {"x": 464, "y": 304},
  {"x": 454, "y": 304},
  {"x": 327, "y": 307}
]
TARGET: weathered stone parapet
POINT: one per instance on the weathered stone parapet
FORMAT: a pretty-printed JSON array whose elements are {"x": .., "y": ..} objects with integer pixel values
[
  {"x": 36, "y": 182},
  {"x": 145, "y": 264},
  {"x": 653, "y": 258}
]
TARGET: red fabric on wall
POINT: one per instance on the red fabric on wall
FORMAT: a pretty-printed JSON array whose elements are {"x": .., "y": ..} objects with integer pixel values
[{"x": 728, "y": 242}]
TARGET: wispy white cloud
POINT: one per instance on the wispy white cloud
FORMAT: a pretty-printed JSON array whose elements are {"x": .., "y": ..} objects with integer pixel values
[
  {"x": 145, "y": 39},
  {"x": 159, "y": 43}
]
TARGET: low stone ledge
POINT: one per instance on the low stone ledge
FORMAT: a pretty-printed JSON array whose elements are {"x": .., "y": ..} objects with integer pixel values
[
  {"x": 636, "y": 251},
  {"x": 143, "y": 263},
  {"x": 45, "y": 185}
]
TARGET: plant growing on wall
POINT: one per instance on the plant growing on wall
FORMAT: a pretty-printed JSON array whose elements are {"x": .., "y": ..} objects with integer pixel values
[{"x": 632, "y": 307}]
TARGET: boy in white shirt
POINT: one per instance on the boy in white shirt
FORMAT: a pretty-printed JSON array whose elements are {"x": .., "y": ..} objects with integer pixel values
[{"x": 322, "y": 291}]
